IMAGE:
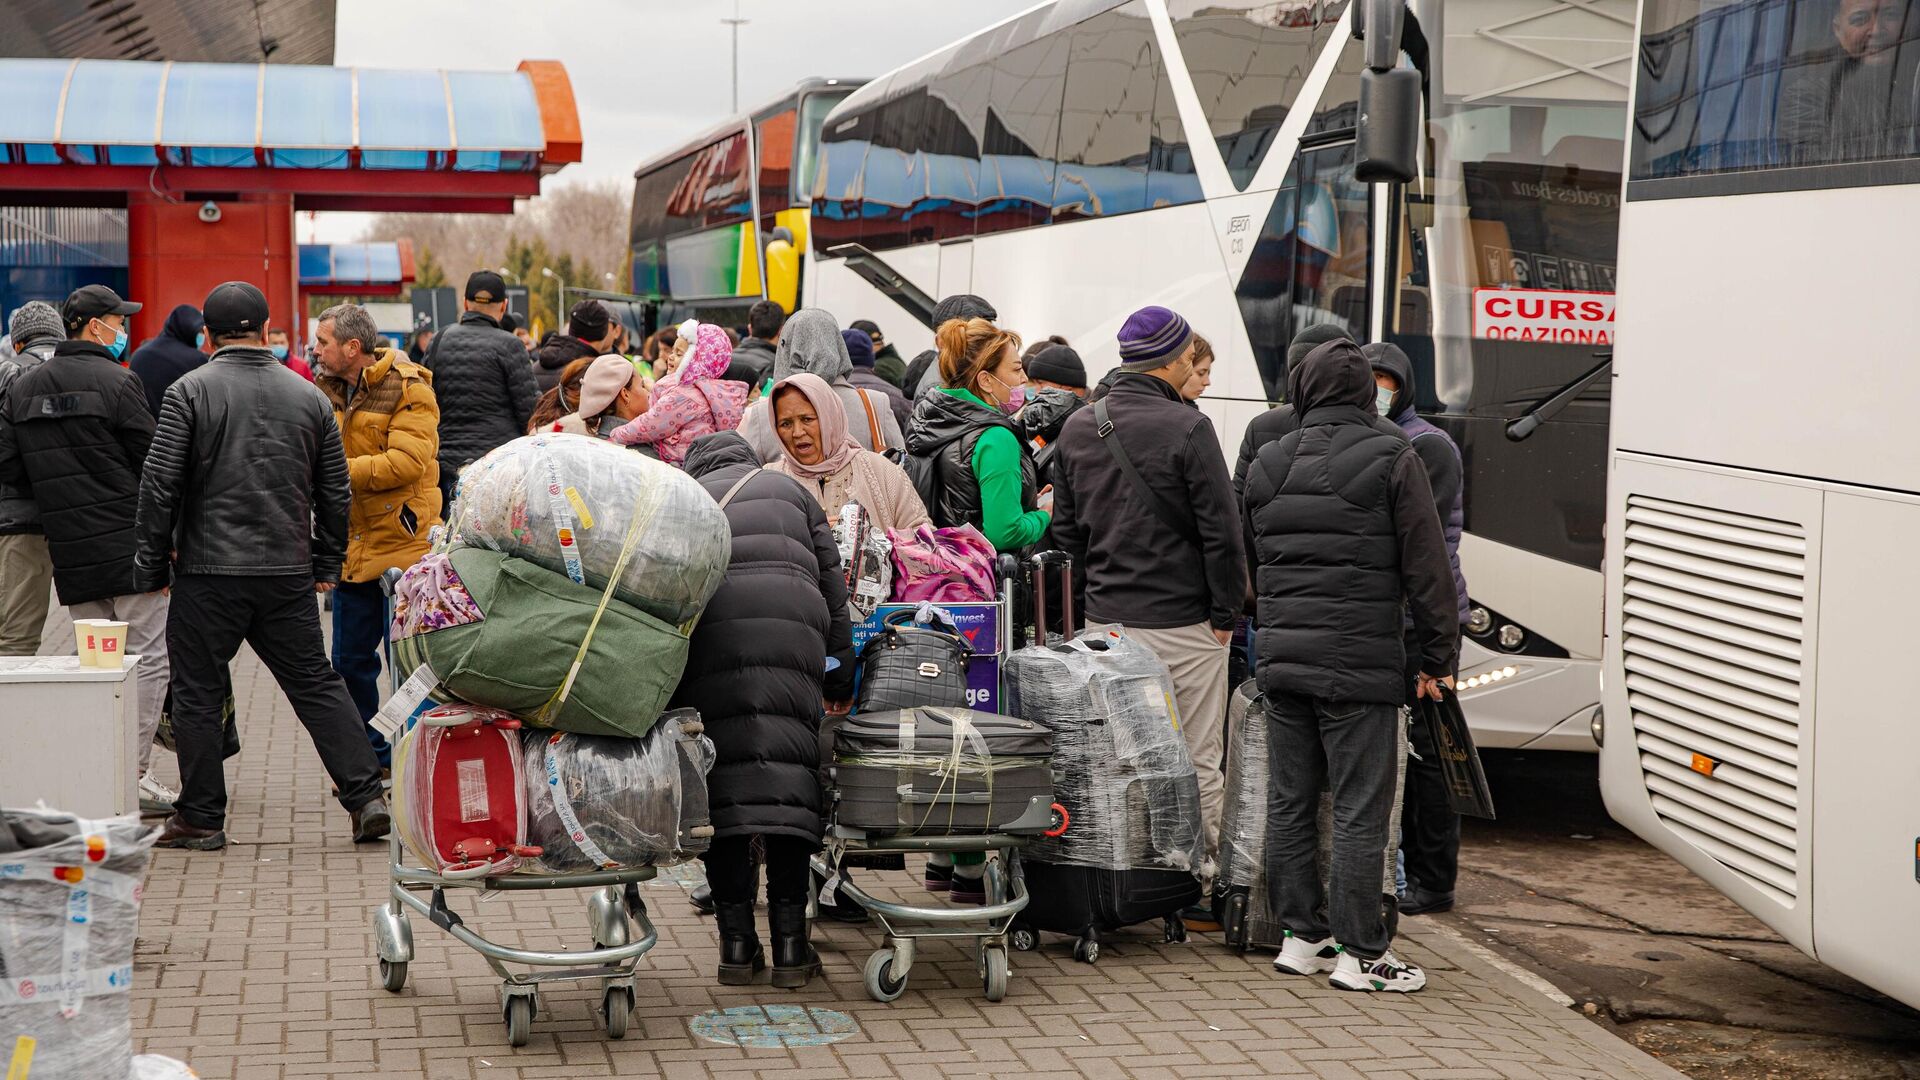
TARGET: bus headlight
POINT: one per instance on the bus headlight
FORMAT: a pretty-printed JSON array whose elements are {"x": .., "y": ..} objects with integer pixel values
[
  {"x": 1479, "y": 620},
  {"x": 1512, "y": 637},
  {"x": 1598, "y": 725}
]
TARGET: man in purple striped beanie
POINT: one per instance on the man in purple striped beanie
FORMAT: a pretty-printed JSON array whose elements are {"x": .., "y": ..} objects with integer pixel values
[{"x": 1143, "y": 500}]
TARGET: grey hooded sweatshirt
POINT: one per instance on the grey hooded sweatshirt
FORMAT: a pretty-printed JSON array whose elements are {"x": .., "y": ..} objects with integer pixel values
[{"x": 811, "y": 341}]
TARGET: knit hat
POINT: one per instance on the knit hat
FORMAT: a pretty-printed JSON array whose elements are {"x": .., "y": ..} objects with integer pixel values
[
  {"x": 859, "y": 347},
  {"x": 605, "y": 378},
  {"x": 963, "y": 306},
  {"x": 1312, "y": 338},
  {"x": 33, "y": 322},
  {"x": 588, "y": 320},
  {"x": 1152, "y": 338},
  {"x": 1058, "y": 364}
]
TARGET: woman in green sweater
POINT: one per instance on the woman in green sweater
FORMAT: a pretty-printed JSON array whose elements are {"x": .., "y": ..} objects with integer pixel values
[{"x": 984, "y": 469}]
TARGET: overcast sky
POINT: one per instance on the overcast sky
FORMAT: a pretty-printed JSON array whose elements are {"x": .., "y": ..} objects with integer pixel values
[{"x": 648, "y": 73}]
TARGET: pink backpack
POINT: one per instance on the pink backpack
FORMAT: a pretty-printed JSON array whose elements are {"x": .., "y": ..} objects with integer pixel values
[{"x": 946, "y": 566}]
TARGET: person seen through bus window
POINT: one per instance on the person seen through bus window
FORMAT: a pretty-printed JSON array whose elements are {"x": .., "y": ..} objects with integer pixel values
[{"x": 1860, "y": 104}]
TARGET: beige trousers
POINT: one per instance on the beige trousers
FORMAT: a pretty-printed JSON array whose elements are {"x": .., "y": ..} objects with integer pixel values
[{"x": 26, "y": 580}]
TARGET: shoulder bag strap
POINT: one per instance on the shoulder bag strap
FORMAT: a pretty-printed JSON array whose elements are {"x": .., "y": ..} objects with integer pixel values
[
  {"x": 873, "y": 423},
  {"x": 735, "y": 489},
  {"x": 1154, "y": 502}
]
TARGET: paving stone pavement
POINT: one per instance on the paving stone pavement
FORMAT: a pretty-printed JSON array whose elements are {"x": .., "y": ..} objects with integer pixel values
[{"x": 256, "y": 963}]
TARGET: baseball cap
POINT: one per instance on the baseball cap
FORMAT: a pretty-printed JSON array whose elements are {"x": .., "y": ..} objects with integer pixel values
[
  {"x": 91, "y": 302},
  {"x": 234, "y": 306},
  {"x": 486, "y": 287}
]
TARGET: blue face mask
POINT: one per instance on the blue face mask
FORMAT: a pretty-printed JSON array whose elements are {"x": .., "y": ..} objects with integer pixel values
[
  {"x": 119, "y": 343},
  {"x": 279, "y": 352},
  {"x": 1383, "y": 400},
  {"x": 200, "y": 340}
]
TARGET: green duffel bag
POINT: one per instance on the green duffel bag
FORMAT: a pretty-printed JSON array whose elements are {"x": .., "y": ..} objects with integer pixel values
[{"x": 518, "y": 654}]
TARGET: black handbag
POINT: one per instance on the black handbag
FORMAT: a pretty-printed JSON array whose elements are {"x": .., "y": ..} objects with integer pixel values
[
  {"x": 910, "y": 665},
  {"x": 1467, "y": 790}
]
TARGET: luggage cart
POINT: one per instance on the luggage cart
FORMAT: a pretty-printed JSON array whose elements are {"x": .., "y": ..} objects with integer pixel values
[{"x": 616, "y": 918}]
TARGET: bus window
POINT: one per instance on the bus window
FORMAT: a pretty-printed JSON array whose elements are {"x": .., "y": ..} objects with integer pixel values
[
  {"x": 774, "y": 141},
  {"x": 1248, "y": 60},
  {"x": 1775, "y": 83},
  {"x": 1021, "y": 136},
  {"x": 1107, "y": 117},
  {"x": 806, "y": 152}
]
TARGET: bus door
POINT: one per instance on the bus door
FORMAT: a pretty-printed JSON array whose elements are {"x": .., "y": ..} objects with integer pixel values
[{"x": 1332, "y": 239}]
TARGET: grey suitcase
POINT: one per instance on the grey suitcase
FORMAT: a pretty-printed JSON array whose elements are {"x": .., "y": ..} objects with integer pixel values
[{"x": 907, "y": 773}]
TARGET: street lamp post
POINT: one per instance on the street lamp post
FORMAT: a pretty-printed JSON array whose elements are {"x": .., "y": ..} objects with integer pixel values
[
  {"x": 736, "y": 23},
  {"x": 547, "y": 272}
]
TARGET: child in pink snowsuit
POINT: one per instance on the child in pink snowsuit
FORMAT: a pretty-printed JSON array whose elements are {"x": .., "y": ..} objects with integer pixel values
[{"x": 695, "y": 401}]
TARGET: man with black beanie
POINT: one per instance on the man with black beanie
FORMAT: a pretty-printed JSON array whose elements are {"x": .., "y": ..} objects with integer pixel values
[
  {"x": 243, "y": 512},
  {"x": 590, "y": 332},
  {"x": 482, "y": 379},
  {"x": 924, "y": 373}
]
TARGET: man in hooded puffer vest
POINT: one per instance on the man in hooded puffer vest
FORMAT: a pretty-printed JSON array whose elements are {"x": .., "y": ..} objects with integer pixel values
[
  {"x": 1429, "y": 829},
  {"x": 1344, "y": 542}
]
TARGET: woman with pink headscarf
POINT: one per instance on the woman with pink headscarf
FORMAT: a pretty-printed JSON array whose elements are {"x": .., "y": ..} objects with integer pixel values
[
  {"x": 696, "y": 402},
  {"x": 821, "y": 453}
]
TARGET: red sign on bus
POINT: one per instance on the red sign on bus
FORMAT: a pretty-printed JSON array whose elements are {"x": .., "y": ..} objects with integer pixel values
[{"x": 1567, "y": 318}]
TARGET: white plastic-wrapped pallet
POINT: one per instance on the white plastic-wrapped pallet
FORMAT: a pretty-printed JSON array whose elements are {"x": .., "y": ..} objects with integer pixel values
[
  {"x": 596, "y": 512},
  {"x": 69, "y": 911}
]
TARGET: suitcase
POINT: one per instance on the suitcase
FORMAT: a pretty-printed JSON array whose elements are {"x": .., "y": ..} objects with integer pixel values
[
  {"x": 459, "y": 800},
  {"x": 597, "y": 803},
  {"x": 1127, "y": 841},
  {"x": 941, "y": 772}
]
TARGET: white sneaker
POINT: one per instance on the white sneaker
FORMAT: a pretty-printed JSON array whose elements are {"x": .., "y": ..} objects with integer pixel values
[
  {"x": 1387, "y": 973},
  {"x": 156, "y": 797},
  {"x": 1302, "y": 957}
]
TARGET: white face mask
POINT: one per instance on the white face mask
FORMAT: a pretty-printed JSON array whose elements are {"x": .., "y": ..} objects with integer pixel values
[{"x": 1383, "y": 400}]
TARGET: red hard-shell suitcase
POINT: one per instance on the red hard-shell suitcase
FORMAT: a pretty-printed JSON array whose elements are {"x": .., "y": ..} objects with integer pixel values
[{"x": 459, "y": 800}]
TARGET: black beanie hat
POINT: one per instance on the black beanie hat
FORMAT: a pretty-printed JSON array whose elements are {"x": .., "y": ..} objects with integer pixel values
[{"x": 1058, "y": 364}]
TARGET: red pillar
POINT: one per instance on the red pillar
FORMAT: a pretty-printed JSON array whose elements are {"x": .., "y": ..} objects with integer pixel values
[{"x": 174, "y": 257}]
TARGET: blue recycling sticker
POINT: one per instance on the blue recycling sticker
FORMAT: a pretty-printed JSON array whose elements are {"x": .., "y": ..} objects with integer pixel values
[{"x": 774, "y": 1027}]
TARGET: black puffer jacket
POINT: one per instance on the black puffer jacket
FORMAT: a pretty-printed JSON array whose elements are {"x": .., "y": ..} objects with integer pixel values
[
  {"x": 76, "y": 435},
  {"x": 18, "y": 512},
  {"x": 755, "y": 668},
  {"x": 1344, "y": 540},
  {"x": 172, "y": 354},
  {"x": 247, "y": 477},
  {"x": 1041, "y": 419},
  {"x": 753, "y": 361},
  {"x": 554, "y": 353},
  {"x": 940, "y": 438},
  {"x": 484, "y": 382}
]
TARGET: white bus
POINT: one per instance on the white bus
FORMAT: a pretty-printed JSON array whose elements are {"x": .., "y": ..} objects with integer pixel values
[
  {"x": 1764, "y": 491},
  {"x": 1088, "y": 157}
]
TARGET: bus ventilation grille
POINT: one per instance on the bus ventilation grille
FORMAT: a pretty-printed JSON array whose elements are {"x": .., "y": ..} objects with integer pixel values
[{"x": 1711, "y": 632}]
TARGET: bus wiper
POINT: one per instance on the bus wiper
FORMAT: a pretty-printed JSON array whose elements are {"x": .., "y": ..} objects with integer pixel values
[
  {"x": 875, "y": 272},
  {"x": 1549, "y": 407}
]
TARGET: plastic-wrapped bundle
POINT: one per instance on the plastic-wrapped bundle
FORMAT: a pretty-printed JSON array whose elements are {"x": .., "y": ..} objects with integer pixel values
[
  {"x": 1243, "y": 823},
  {"x": 1120, "y": 765},
  {"x": 69, "y": 910},
  {"x": 592, "y": 510},
  {"x": 598, "y": 803},
  {"x": 867, "y": 557}
]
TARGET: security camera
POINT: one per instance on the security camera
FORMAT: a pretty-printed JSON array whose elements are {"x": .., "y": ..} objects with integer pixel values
[{"x": 209, "y": 211}]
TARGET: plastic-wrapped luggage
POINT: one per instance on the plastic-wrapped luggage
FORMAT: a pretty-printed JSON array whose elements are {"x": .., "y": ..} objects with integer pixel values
[
  {"x": 940, "y": 772},
  {"x": 594, "y": 511},
  {"x": 459, "y": 803},
  {"x": 603, "y": 804},
  {"x": 531, "y": 642},
  {"x": 69, "y": 910}
]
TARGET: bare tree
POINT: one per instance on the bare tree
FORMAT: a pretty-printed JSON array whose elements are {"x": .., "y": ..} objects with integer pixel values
[{"x": 586, "y": 222}]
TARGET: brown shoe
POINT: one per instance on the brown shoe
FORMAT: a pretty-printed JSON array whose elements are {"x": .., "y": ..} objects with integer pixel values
[
  {"x": 178, "y": 834},
  {"x": 372, "y": 822}
]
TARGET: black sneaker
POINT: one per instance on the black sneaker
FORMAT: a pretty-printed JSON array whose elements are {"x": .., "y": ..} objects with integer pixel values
[
  {"x": 939, "y": 878},
  {"x": 1421, "y": 902},
  {"x": 372, "y": 822},
  {"x": 968, "y": 890},
  {"x": 178, "y": 834}
]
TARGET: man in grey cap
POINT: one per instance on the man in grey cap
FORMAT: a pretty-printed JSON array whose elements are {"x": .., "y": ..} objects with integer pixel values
[
  {"x": 26, "y": 570},
  {"x": 243, "y": 511}
]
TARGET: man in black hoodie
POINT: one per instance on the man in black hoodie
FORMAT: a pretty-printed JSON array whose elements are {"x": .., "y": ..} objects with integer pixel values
[
  {"x": 176, "y": 350},
  {"x": 1281, "y": 419},
  {"x": 1344, "y": 544}
]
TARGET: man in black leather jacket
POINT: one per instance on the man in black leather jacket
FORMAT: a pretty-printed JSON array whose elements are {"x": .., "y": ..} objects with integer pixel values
[{"x": 243, "y": 511}]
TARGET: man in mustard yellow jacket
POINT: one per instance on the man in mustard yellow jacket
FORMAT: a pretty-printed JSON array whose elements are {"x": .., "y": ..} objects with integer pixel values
[{"x": 390, "y": 426}]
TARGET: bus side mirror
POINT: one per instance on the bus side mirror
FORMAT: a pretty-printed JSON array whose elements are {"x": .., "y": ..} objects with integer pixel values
[{"x": 1387, "y": 149}]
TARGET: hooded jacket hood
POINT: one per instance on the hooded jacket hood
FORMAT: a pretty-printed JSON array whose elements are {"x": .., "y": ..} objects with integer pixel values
[
  {"x": 940, "y": 418},
  {"x": 811, "y": 341},
  {"x": 713, "y": 452},
  {"x": 184, "y": 323},
  {"x": 1387, "y": 357},
  {"x": 1303, "y": 343},
  {"x": 1333, "y": 374},
  {"x": 557, "y": 349},
  {"x": 1046, "y": 413}
]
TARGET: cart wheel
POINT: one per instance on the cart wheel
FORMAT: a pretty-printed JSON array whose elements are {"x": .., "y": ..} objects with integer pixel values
[
  {"x": 994, "y": 961},
  {"x": 1233, "y": 920},
  {"x": 881, "y": 982},
  {"x": 1024, "y": 939},
  {"x": 393, "y": 975},
  {"x": 1086, "y": 950},
  {"x": 519, "y": 1019},
  {"x": 1176, "y": 930},
  {"x": 616, "y": 1008}
]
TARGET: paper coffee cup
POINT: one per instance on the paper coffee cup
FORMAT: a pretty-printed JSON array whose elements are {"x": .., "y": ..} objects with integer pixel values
[
  {"x": 110, "y": 644},
  {"x": 86, "y": 641}
]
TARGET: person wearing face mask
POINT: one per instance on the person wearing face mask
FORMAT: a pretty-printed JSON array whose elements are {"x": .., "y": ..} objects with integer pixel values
[
  {"x": 76, "y": 437},
  {"x": 1147, "y": 506},
  {"x": 282, "y": 348},
  {"x": 179, "y": 347},
  {"x": 1429, "y": 829}
]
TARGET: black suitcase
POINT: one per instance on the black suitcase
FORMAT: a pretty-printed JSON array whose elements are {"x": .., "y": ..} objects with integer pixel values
[
  {"x": 905, "y": 773},
  {"x": 1086, "y": 901}
]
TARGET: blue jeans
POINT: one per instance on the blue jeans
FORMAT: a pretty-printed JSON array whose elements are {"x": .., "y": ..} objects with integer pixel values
[{"x": 359, "y": 636}]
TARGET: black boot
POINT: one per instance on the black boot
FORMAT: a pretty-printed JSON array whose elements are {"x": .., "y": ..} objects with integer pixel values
[
  {"x": 741, "y": 957},
  {"x": 794, "y": 961}
]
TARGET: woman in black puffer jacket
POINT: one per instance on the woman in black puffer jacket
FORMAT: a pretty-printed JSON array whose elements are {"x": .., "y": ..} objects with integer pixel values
[{"x": 756, "y": 670}]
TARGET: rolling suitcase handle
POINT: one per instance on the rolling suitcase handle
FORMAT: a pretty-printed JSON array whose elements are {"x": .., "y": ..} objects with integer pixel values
[{"x": 1040, "y": 561}]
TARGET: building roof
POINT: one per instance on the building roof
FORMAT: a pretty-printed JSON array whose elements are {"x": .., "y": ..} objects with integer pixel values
[{"x": 367, "y": 268}]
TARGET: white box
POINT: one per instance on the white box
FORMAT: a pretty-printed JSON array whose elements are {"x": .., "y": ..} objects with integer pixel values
[{"x": 67, "y": 735}]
